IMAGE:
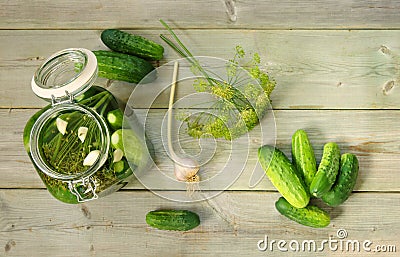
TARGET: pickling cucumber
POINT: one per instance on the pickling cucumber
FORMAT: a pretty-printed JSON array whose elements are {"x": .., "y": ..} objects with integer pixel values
[
  {"x": 283, "y": 175},
  {"x": 119, "y": 66},
  {"x": 345, "y": 181},
  {"x": 311, "y": 216},
  {"x": 303, "y": 157},
  {"x": 127, "y": 43},
  {"x": 327, "y": 170},
  {"x": 115, "y": 118},
  {"x": 181, "y": 220}
]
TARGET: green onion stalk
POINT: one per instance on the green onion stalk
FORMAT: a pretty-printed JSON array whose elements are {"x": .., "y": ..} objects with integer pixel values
[{"x": 243, "y": 97}]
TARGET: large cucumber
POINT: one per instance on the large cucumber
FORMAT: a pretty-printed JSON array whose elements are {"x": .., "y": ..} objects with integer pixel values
[
  {"x": 327, "y": 170},
  {"x": 303, "y": 157},
  {"x": 124, "y": 42},
  {"x": 311, "y": 216},
  {"x": 118, "y": 66},
  {"x": 345, "y": 181},
  {"x": 283, "y": 175},
  {"x": 181, "y": 220}
]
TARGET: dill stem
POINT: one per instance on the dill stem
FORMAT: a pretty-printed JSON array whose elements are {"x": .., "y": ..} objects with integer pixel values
[
  {"x": 58, "y": 144},
  {"x": 92, "y": 98},
  {"x": 100, "y": 102},
  {"x": 105, "y": 104}
]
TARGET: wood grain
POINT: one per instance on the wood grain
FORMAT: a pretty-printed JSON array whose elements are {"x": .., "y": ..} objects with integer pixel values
[
  {"x": 313, "y": 69},
  {"x": 231, "y": 223},
  {"x": 258, "y": 14},
  {"x": 337, "y": 66},
  {"x": 371, "y": 135}
]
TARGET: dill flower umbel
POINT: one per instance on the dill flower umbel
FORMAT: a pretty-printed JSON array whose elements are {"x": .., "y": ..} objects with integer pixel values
[{"x": 242, "y": 98}]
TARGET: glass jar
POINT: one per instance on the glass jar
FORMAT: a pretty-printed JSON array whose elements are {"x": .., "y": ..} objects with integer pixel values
[{"x": 69, "y": 141}]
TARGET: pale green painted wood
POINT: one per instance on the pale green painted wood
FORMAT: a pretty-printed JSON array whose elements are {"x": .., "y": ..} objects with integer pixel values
[
  {"x": 371, "y": 135},
  {"x": 313, "y": 69},
  {"x": 316, "y": 69},
  {"x": 256, "y": 14},
  {"x": 231, "y": 225}
]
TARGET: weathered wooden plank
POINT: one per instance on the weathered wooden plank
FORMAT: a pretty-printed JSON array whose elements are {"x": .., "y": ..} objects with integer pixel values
[
  {"x": 23, "y": 14},
  {"x": 371, "y": 135},
  {"x": 231, "y": 224},
  {"x": 313, "y": 69}
]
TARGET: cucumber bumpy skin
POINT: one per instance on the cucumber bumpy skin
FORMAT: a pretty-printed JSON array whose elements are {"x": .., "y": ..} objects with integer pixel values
[
  {"x": 124, "y": 67},
  {"x": 181, "y": 220},
  {"x": 127, "y": 43},
  {"x": 345, "y": 181},
  {"x": 311, "y": 216},
  {"x": 327, "y": 170},
  {"x": 283, "y": 175},
  {"x": 303, "y": 157}
]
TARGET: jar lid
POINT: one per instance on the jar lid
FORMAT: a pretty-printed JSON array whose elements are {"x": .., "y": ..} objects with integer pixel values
[{"x": 70, "y": 70}]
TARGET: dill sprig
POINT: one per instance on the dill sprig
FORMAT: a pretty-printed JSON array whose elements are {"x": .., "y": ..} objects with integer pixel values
[{"x": 242, "y": 98}]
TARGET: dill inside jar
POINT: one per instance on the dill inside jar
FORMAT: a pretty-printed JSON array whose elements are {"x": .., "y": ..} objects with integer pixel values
[{"x": 69, "y": 141}]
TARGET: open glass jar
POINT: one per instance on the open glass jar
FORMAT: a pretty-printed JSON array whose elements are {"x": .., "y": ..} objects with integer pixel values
[{"x": 69, "y": 140}]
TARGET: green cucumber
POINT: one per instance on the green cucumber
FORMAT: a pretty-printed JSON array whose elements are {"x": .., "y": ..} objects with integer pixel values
[
  {"x": 120, "y": 166},
  {"x": 127, "y": 43},
  {"x": 29, "y": 125},
  {"x": 311, "y": 216},
  {"x": 124, "y": 67},
  {"x": 327, "y": 170},
  {"x": 303, "y": 157},
  {"x": 181, "y": 220},
  {"x": 115, "y": 118},
  {"x": 345, "y": 181},
  {"x": 129, "y": 142},
  {"x": 283, "y": 175}
]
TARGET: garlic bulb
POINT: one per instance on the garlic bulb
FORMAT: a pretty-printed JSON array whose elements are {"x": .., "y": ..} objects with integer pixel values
[{"x": 185, "y": 169}]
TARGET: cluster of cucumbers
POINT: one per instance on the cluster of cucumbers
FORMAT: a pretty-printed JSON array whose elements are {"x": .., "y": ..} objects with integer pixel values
[
  {"x": 297, "y": 181},
  {"x": 129, "y": 59}
]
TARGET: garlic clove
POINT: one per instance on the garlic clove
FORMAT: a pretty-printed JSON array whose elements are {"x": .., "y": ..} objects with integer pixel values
[
  {"x": 61, "y": 125},
  {"x": 91, "y": 158},
  {"x": 82, "y": 132},
  {"x": 118, "y": 154}
]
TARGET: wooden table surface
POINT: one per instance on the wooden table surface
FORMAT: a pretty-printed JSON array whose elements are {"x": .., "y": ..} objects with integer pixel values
[{"x": 337, "y": 67}]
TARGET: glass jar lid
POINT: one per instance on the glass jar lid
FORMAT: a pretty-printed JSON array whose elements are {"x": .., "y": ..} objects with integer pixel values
[{"x": 70, "y": 70}]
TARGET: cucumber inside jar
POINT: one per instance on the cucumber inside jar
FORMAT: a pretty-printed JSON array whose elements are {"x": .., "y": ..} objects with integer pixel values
[{"x": 69, "y": 143}]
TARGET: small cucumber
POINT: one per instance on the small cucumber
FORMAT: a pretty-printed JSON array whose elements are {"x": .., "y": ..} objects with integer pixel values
[
  {"x": 311, "y": 216},
  {"x": 29, "y": 125},
  {"x": 345, "y": 181},
  {"x": 303, "y": 157},
  {"x": 327, "y": 170},
  {"x": 283, "y": 175},
  {"x": 118, "y": 66},
  {"x": 181, "y": 220},
  {"x": 127, "y": 43},
  {"x": 115, "y": 118},
  {"x": 130, "y": 143}
]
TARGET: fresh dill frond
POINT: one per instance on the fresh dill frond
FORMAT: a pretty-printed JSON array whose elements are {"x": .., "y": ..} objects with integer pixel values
[{"x": 241, "y": 99}]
